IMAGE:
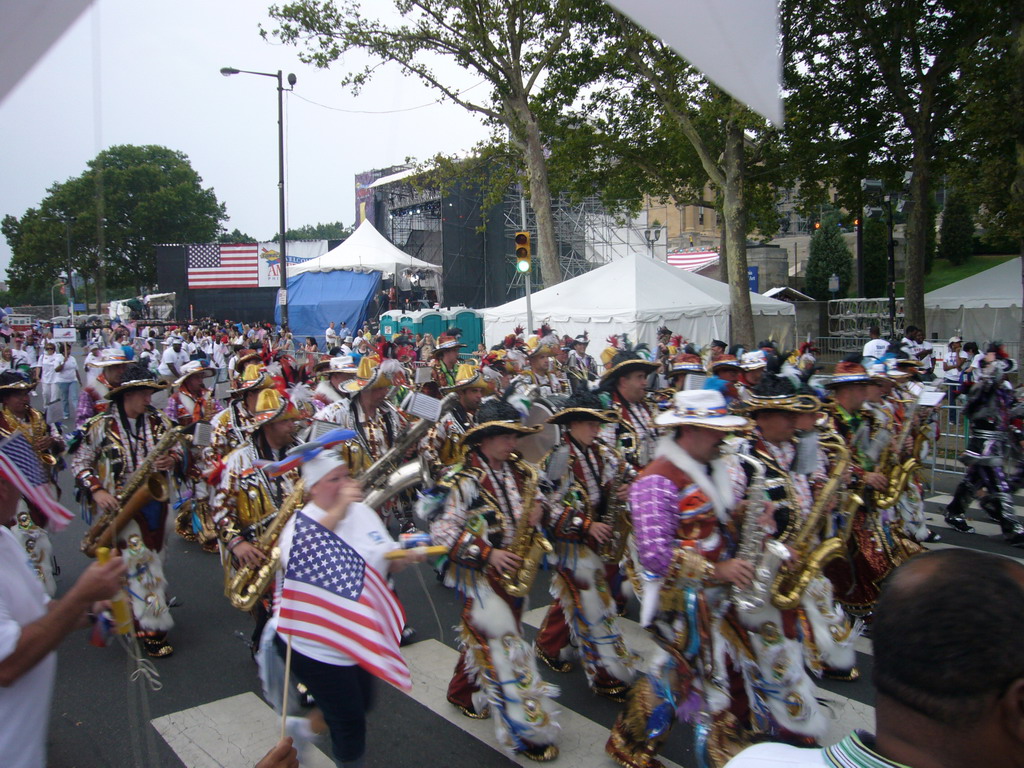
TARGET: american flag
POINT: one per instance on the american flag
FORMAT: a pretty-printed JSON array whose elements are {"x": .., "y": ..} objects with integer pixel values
[
  {"x": 223, "y": 266},
  {"x": 20, "y": 466},
  {"x": 332, "y": 596}
]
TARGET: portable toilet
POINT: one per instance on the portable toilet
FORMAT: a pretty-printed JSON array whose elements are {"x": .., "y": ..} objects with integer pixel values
[
  {"x": 433, "y": 322},
  {"x": 472, "y": 324},
  {"x": 409, "y": 322},
  {"x": 389, "y": 322}
]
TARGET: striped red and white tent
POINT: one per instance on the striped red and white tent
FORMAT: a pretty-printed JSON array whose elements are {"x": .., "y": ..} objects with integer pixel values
[{"x": 692, "y": 261}]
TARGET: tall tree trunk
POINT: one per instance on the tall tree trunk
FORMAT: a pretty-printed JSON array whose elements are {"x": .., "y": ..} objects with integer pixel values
[
  {"x": 532, "y": 147},
  {"x": 723, "y": 254},
  {"x": 741, "y": 318},
  {"x": 917, "y": 233}
]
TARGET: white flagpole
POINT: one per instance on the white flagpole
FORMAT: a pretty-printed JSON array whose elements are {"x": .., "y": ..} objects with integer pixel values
[{"x": 284, "y": 696}]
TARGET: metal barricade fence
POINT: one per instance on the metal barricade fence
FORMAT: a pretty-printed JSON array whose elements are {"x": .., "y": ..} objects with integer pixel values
[{"x": 952, "y": 433}]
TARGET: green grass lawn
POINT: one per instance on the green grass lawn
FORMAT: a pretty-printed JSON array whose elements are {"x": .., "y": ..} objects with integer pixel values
[{"x": 943, "y": 273}]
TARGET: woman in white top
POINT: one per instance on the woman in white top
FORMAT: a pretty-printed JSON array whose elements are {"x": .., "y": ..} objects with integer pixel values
[
  {"x": 342, "y": 689},
  {"x": 65, "y": 380},
  {"x": 47, "y": 364}
]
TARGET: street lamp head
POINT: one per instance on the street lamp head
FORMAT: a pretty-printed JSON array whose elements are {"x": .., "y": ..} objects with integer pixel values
[
  {"x": 228, "y": 71},
  {"x": 292, "y": 79}
]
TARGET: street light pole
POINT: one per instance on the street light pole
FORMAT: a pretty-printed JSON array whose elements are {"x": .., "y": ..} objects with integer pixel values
[{"x": 282, "y": 256}]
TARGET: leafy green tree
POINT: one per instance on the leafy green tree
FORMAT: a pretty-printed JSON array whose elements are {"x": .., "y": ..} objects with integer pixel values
[
  {"x": 509, "y": 45},
  {"x": 880, "y": 80},
  {"x": 829, "y": 255},
  {"x": 334, "y": 230},
  {"x": 129, "y": 199},
  {"x": 956, "y": 240},
  {"x": 876, "y": 258},
  {"x": 236, "y": 236}
]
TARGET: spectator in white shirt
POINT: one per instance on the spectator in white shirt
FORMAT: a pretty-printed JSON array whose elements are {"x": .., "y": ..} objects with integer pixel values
[
  {"x": 332, "y": 336},
  {"x": 876, "y": 346},
  {"x": 173, "y": 358},
  {"x": 954, "y": 363},
  {"x": 47, "y": 364},
  {"x": 65, "y": 380}
]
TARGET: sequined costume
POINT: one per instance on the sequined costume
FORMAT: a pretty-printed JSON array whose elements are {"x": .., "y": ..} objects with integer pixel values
[
  {"x": 30, "y": 524},
  {"x": 989, "y": 407},
  {"x": 92, "y": 400},
  {"x": 877, "y": 543},
  {"x": 441, "y": 445},
  {"x": 496, "y": 674},
  {"x": 582, "y": 621},
  {"x": 193, "y": 516},
  {"x": 110, "y": 452},
  {"x": 819, "y": 623}
]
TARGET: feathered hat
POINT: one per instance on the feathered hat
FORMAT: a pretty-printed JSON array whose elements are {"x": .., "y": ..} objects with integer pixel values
[
  {"x": 628, "y": 358},
  {"x": 371, "y": 376},
  {"x": 583, "y": 406}
]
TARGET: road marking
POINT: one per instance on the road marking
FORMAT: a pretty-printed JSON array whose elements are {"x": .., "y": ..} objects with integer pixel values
[
  {"x": 844, "y": 714},
  {"x": 228, "y": 733},
  {"x": 580, "y": 745}
]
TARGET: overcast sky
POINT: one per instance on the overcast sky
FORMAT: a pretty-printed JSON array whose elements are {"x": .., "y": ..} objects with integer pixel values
[{"x": 132, "y": 72}]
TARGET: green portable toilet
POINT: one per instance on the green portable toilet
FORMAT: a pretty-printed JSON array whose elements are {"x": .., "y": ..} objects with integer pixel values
[
  {"x": 389, "y": 322},
  {"x": 409, "y": 322},
  {"x": 472, "y": 324},
  {"x": 433, "y": 322}
]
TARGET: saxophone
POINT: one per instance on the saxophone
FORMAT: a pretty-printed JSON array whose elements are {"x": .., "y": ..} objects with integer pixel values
[
  {"x": 143, "y": 486},
  {"x": 34, "y": 430},
  {"x": 789, "y": 586},
  {"x": 894, "y": 466},
  {"x": 528, "y": 543},
  {"x": 753, "y": 548},
  {"x": 248, "y": 584},
  {"x": 616, "y": 514}
]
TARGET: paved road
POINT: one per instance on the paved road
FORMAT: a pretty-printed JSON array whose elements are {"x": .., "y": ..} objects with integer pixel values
[{"x": 209, "y": 708}]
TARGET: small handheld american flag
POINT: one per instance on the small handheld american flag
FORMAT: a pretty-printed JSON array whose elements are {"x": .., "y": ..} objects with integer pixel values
[
  {"x": 331, "y": 595},
  {"x": 20, "y": 466}
]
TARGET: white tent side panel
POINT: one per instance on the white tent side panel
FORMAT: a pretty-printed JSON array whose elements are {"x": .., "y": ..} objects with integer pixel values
[
  {"x": 983, "y": 307},
  {"x": 636, "y": 295}
]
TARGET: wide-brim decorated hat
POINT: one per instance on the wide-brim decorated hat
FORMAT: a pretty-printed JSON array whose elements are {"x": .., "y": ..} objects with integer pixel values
[
  {"x": 775, "y": 393},
  {"x": 194, "y": 368},
  {"x": 246, "y": 358},
  {"x": 444, "y": 343},
  {"x": 369, "y": 375},
  {"x": 272, "y": 406},
  {"x": 136, "y": 376},
  {"x": 685, "y": 363},
  {"x": 467, "y": 377},
  {"x": 496, "y": 418},
  {"x": 109, "y": 357},
  {"x": 725, "y": 361},
  {"x": 848, "y": 373},
  {"x": 624, "y": 362},
  {"x": 253, "y": 378},
  {"x": 701, "y": 408},
  {"x": 883, "y": 374},
  {"x": 584, "y": 406},
  {"x": 340, "y": 364},
  {"x": 752, "y": 361},
  {"x": 15, "y": 381}
]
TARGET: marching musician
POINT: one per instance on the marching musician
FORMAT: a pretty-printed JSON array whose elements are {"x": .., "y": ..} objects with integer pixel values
[
  {"x": 445, "y": 362},
  {"x": 876, "y": 544},
  {"x": 682, "y": 365},
  {"x": 233, "y": 425},
  {"x": 725, "y": 377},
  {"x": 824, "y": 630},
  {"x": 441, "y": 445},
  {"x": 634, "y": 435},
  {"x": 117, "y": 444},
  {"x": 538, "y": 372},
  {"x": 375, "y": 420},
  {"x": 17, "y": 415},
  {"x": 580, "y": 365},
  {"x": 586, "y": 518},
  {"x": 752, "y": 367},
  {"x": 93, "y": 398},
  {"x": 333, "y": 374},
  {"x": 989, "y": 405},
  {"x": 191, "y": 403},
  {"x": 483, "y": 510},
  {"x": 682, "y": 505}
]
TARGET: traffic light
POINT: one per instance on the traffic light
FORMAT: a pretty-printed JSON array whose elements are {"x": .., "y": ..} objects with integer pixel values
[
  {"x": 524, "y": 258},
  {"x": 817, "y": 225}
]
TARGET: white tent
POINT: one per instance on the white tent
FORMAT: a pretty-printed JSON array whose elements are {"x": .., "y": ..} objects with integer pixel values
[
  {"x": 367, "y": 250},
  {"x": 636, "y": 295},
  {"x": 983, "y": 307}
]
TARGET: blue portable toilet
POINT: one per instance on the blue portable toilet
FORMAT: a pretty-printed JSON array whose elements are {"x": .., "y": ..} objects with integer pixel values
[
  {"x": 433, "y": 322},
  {"x": 389, "y": 322},
  {"x": 472, "y": 324},
  {"x": 409, "y": 322}
]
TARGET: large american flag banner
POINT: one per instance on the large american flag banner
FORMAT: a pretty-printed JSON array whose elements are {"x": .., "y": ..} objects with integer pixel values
[
  {"x": 332, "y": 596},
  {"x": 212, "y": 265},
  {"x": 20, "y": 466}
]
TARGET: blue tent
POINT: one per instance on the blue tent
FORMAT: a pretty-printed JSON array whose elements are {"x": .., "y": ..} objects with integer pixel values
[{"x": 316, "y": 298}]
